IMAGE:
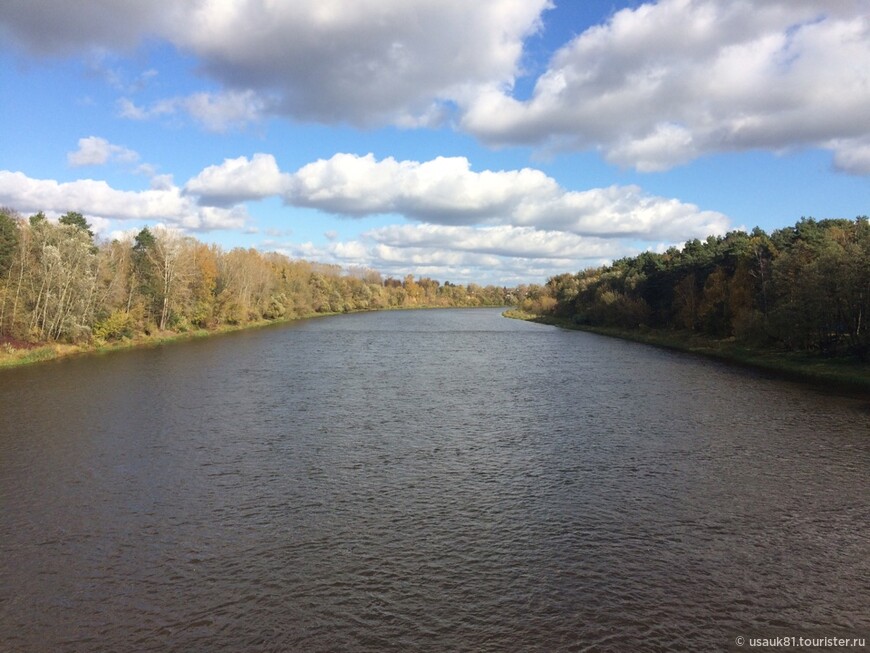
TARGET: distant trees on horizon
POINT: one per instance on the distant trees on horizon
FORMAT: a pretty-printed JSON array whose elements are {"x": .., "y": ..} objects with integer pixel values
[
  {"x": 800, "y": 288},
  {"x": 57, "y": 283}
]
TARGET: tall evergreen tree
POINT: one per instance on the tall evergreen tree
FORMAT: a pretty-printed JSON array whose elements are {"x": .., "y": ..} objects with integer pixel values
[{"x": 8, "y": 239}]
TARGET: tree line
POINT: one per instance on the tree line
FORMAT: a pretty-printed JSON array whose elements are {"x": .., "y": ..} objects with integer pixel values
[
  {"x": 58, "y": 283},
  {"x": 801, "y": 288}
]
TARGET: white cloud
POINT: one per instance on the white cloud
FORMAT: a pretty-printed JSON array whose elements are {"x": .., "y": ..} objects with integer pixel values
[
  {"x": 622, "y": 211},
  {"x": 491, "y": 224},
  {"x": 442, "y": 190},
  {"x": 662, "y": 84},
  {"x": 419, "y": 256},
  {"x": 123, "y": 235},
  {"x": 96, "y": 199},
  {"x": 666, "y": 146},
  {"x": 362, "y": 62},
  {"x": 219, "y": 112},
  {"x": 457, "y": 264},
  {"x": 94, "y": 150},
  {"x": 654, "y": 87},
  {"x": 127, "y": 109},
  {"x": 237, "y": 180},
  {"x": 216, "y": 112},
  {"x": 100, "y": 226},
  {"x": 852, "y": 156},
  {"x": 158, "y": 182},
  {"x": 509, "y": 241},
  {"x": 446, "y": 191}
]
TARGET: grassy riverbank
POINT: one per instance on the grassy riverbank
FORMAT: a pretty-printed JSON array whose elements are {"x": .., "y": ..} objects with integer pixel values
[
  {"x": 843, "y": 373},
  {"x": 18, "y": 353}
]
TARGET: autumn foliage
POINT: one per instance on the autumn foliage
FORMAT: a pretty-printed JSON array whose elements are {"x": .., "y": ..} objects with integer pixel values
[
  {"x": 57, "y": 284},
  {"x": 801, "y": 288}
]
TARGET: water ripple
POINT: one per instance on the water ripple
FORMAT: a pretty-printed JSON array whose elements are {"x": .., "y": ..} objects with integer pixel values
[{"x": 425, "y": 481}]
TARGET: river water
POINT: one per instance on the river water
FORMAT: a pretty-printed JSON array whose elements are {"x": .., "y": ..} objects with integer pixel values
[{"x": 443, "y": 480}]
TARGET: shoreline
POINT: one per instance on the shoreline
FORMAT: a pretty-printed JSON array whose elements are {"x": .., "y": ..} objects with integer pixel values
[
  {"x": 842, "y": 374},
  {"x": 845, "y": 375},
  {"x": 46, "y": 352},
  {"x": 32, "y": 354}
]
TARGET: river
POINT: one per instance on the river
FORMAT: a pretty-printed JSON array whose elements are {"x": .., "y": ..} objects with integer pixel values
[{"x": 444, "y": 480}]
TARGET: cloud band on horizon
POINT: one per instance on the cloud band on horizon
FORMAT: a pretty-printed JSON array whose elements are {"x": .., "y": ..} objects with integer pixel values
[{"x": 456, "y": 214}]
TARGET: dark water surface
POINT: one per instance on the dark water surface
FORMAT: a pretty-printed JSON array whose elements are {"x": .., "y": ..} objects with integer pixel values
[{"x": 425, "y": 481}]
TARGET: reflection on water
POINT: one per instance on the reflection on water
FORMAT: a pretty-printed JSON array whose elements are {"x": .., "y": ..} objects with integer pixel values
[{"x": 430, "y": 481}]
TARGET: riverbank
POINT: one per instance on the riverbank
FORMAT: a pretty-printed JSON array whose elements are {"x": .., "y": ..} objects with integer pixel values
[
  {"x": 844, "y": 374},
  {"x": 18, "y": 354},
  {"x": 15, "y": 353}
]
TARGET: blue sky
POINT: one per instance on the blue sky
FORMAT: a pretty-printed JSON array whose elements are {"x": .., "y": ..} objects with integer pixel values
[{"x": 501, "y": 141}]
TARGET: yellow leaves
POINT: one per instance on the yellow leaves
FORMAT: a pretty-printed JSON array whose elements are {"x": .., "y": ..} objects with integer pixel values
[{"x": 119, "y": 324}]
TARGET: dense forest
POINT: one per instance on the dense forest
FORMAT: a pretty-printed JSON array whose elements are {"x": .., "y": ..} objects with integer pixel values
[
  {"x": 60, "y": 284},
  {"x": 801, "y": 288}
]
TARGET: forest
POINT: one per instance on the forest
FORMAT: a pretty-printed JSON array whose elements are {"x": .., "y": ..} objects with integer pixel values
[
  {"x": 58, "y": 283},
  {"x": 804, "y": 288}
]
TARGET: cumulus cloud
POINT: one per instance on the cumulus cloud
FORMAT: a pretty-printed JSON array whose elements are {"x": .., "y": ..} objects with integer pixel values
[
  {"x": 94, "y": 150},
  {"x": 654, "y": 87},
  {"x": 443, "y": 190},
  {"x": 237, "y": 180},
  {"x": 623, "y": 211},
  {"x": 489, "y": 223},
  {"x": 446, "y": 191},
  {"x": 664, "y": 83},
  {"x": 364, "y": 62},
  {"x": 97, "y": 199},
  {"x": 852, "y": 156}
]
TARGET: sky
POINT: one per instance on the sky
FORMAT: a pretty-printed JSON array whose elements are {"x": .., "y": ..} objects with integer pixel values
[{"x": 494, "y": 141}]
